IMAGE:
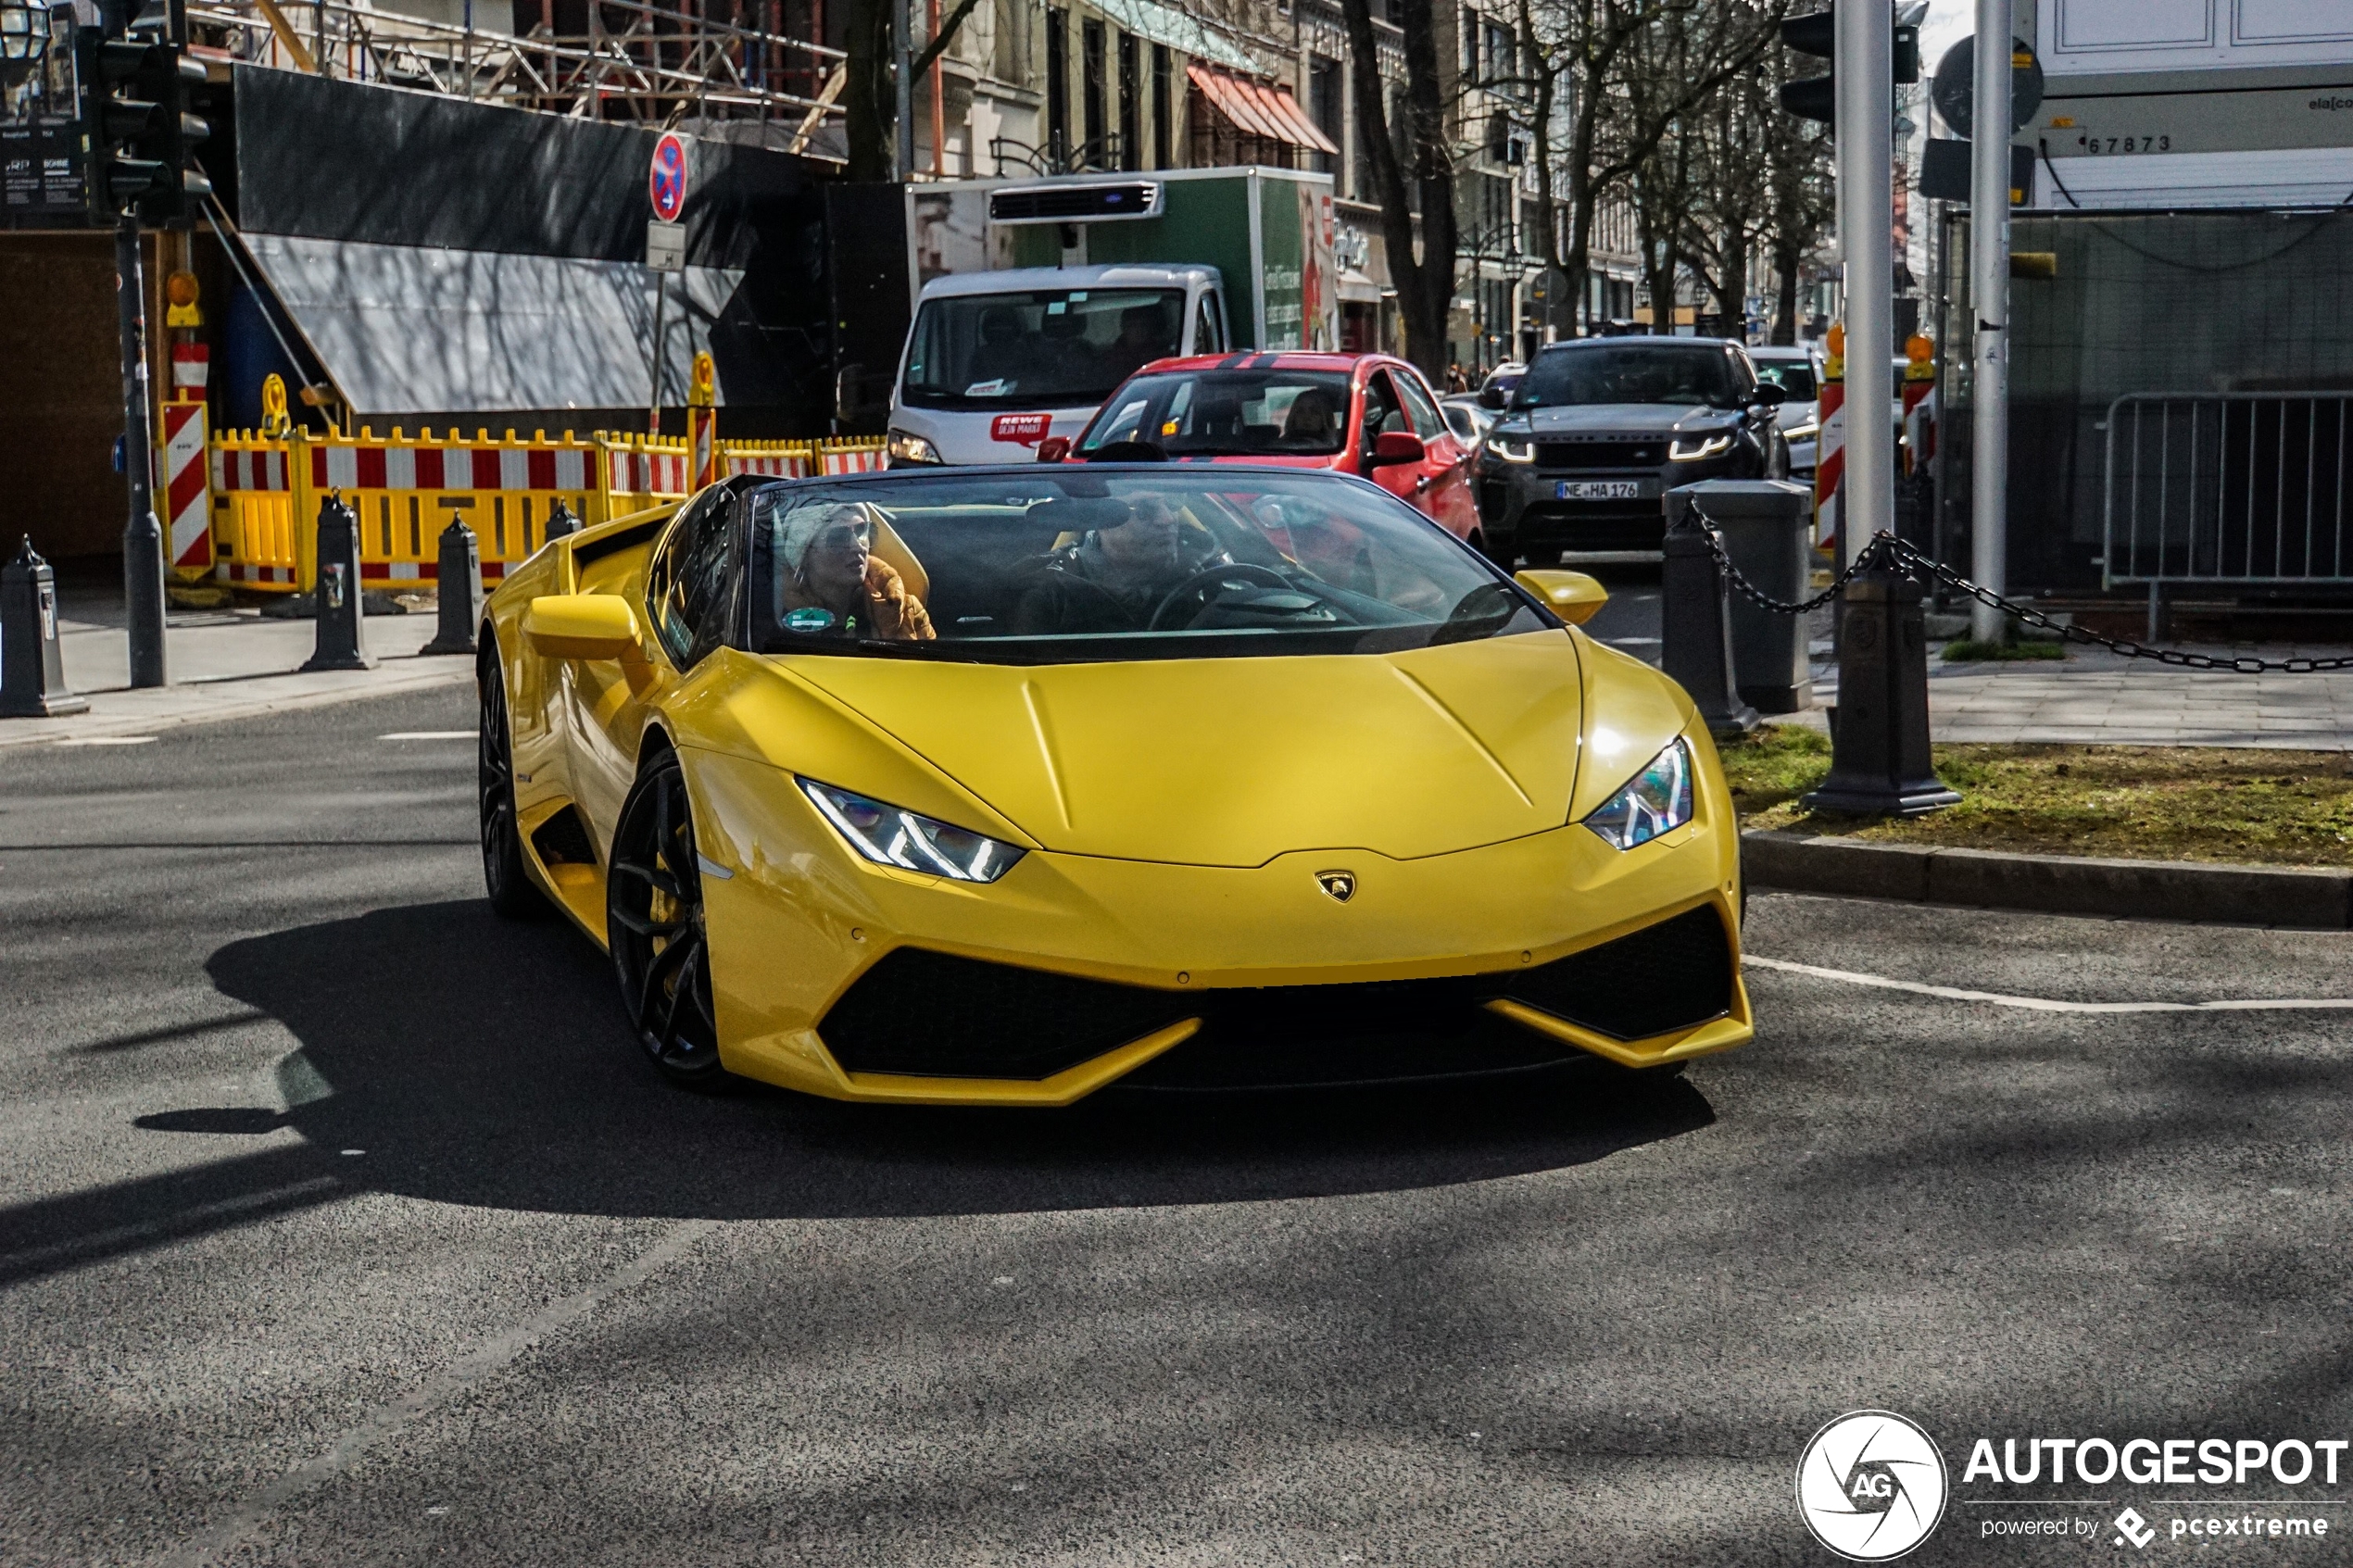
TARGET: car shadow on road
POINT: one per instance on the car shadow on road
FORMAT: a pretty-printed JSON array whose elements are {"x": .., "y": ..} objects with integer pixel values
[{"x": 478, "y": 1062}]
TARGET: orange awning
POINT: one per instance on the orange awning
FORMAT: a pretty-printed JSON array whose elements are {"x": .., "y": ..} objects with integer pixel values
[{"x": 1258, "y": 109}]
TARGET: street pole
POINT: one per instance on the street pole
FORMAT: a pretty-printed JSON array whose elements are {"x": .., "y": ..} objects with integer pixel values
[
  {"x": 901, "y": 26},
  {"x": 1865, "y": 69},
  {"x": 1989, "y": 271},
  {"x": 653, "y": 398},
  {"x": 143, "y": 535}
]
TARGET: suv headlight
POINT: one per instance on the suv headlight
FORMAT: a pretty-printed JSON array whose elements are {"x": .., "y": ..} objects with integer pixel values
[
  {"x": 890, "y": 836},
  {"x": 1655, "y": 800},
  {"x": 1692, "y": 451},
  {"x": 1512, "y": 449},
  {"x": 905, "y": 448},
  {"x": 1806, "y": 431}
]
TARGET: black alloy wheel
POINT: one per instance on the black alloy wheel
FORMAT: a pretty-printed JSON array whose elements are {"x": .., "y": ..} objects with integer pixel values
[
  {"x": 503, "y": 875},
  {"x": 654, "y": 924}
]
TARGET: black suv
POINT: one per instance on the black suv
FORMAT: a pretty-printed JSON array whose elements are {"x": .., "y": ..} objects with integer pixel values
[{"x": 1600, "y": 429}]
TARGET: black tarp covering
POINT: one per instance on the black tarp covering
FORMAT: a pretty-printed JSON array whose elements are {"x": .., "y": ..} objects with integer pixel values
[{"x": 331, "y": 160}]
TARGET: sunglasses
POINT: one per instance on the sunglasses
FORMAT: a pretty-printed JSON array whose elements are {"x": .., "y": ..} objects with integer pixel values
[{"x": 842, "y": 535}]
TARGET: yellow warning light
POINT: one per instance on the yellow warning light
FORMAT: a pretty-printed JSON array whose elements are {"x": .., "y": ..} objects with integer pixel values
[
  {"x": 180, "y": 298},
  {"x": 1919, "y": 348},
  {"x": 1835, "y": 341}
]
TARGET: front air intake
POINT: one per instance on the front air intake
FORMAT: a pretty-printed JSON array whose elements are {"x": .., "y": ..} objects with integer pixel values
[{"x": 1090, "y": 203}]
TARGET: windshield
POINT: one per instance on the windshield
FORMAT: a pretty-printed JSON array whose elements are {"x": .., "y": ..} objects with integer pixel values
[
  {"x": 1793, "y": 376},
  {"x": 1296, "y": 412},
  {"x": 1081, "y": 565},
  {"x": 1064, "y": 347},
  {"x": 1622, "y": 373}
]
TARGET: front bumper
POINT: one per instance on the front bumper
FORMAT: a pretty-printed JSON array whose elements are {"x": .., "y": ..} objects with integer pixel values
[
  {"x": 856, "y": 982},
  {"x": 1520, "y": 503}
]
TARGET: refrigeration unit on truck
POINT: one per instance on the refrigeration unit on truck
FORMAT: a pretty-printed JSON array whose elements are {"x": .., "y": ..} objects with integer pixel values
[{"x": 1038, "y": 297}]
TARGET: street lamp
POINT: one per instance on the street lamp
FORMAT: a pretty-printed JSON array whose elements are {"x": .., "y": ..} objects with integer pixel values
[{"x": 24, "y": 38}]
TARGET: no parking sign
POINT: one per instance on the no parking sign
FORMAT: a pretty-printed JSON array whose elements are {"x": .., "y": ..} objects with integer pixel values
[{"x": 666, "y": 185}]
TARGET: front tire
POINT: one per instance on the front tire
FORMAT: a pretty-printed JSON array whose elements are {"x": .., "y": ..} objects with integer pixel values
[
  {"x": 508, "y": 884},
  {"x": 654, "y": 925}
]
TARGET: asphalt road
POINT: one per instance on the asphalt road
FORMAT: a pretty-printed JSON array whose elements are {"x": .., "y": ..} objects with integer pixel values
[{"x": 338, "y": 1224}]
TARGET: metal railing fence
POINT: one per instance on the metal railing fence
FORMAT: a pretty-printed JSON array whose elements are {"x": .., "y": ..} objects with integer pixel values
[{"x": 2228, "y": 489}]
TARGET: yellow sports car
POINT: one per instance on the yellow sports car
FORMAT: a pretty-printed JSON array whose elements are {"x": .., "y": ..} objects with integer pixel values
[{"x": 1000, "y": 786}]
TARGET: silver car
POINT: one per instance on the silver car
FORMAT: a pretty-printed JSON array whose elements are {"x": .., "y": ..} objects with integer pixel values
[{"x": 1799, "y": 373}]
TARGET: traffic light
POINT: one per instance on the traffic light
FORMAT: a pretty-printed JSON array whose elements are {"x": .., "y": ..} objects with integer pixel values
[
  {"x": 141, "y": 133},
  {"x": 1816, "y": 96}
]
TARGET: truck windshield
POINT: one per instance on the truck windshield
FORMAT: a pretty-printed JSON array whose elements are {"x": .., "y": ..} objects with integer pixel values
[
  {"x": 1693, "y": 374},
  {"x": 1073, "y": 563},
  {"x": 1056, "y": 346},
  {"x": 1190, "y": 412}
]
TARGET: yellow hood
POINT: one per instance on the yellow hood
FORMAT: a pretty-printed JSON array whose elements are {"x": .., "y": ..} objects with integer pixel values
[{"x": 1233, "y": 761}]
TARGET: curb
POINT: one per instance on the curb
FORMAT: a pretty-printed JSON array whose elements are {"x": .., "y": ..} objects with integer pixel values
[
  {"x": 2297, "y": 897},
  {"x": 202, "y": 707}
]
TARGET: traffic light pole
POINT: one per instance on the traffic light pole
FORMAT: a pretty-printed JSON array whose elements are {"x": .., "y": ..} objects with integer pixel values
[
  {"x": 1989, "y": 269},
  {"x": 143, "y": 535},
  {"x": 1865, "y": 141}
]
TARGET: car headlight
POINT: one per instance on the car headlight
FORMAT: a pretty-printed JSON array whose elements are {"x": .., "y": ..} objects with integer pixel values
[
  {"x": 1802, "y": 433},
  {"x": 1655, "y": 800},
  {"x": 905, "y": 448},
  {"x": 890, "y": 836},
  {"x": 1692, "y": 450},
  {"x": 1512, "y": 449}
]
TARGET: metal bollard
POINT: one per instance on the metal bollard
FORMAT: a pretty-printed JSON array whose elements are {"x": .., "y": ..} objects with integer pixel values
[
  {"x": 560, "y": 521},
  {"x": 458, "y": 577},
  {"x": 1880, "y": 761},
  {"x": 1695, "y": 630},
  {"x": 342, "y": 638},
  {"x": 33, "y": 670}
]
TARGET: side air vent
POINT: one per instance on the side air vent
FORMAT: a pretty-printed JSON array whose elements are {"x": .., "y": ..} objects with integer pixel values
[{"x": 1076, "y": 204}]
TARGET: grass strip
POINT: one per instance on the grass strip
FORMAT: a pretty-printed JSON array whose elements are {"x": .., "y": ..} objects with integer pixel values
[{"x": 2127, "y": 802}]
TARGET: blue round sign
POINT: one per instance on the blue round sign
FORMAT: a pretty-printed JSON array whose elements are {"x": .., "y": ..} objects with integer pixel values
[{"x": 667, "y": 184}]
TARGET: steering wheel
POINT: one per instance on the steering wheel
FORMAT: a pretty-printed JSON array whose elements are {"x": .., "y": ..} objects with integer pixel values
[{"x": 1204, "y": 578}]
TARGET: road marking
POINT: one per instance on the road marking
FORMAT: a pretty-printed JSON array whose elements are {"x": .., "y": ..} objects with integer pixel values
[
  {"x": 386, "y": 1419},
  {"x": 2047, "y": 1004},
  {"x": 429, "y": 734},
  {"x": 108, "y": 740}
]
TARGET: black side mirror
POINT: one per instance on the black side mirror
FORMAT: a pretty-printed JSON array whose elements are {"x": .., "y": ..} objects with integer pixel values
[
  {"x": 1491, "y": 397},
  {"x": 1771, "y": 395}
]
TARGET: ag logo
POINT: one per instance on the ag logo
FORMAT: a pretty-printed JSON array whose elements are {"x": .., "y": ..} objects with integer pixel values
[
  {"x": 1342, "y": 885},
  {"x": 1872, "y": 1486}
]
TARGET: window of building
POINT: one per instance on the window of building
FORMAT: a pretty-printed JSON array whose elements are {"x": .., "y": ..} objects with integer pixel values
[
  {"x": 1057, "y": 83},
  {"x": 1502, "y": 56},
  {"x": 1470, "y": 25},
  {"x": 1131, "y": 103},
  {"x": 1323, "y": 107},
  {"x": 1091, "y": 91},
  {"x": 1163, "y": 114}
]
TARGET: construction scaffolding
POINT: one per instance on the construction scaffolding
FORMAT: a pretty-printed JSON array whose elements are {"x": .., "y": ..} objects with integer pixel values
[{"x": 724, "y": 68}]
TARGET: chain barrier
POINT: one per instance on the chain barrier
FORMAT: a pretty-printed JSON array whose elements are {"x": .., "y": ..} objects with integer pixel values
[{"x": 1912, "y": 562}]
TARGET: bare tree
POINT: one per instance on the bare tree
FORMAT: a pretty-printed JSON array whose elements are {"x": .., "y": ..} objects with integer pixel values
[
  {"x": 869, "y": 95},
  {"x": 1422, "y": 155},
  {"x": 1630, "y": 72}
]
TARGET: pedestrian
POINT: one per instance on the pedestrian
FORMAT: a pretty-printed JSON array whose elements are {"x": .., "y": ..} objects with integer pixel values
[{"x": 1455, "y": 380}]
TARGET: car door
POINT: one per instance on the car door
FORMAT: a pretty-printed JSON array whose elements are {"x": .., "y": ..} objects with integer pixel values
[
  {"x": 1441, "y": 482},
  {"x": 687, "y": 605},
  {"x": 1380, "y": 412}
]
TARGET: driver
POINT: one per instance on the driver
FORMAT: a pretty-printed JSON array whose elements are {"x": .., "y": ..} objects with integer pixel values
[
  {"x": 1113, "y": 579},
  {"x": 826, "y": 561}
]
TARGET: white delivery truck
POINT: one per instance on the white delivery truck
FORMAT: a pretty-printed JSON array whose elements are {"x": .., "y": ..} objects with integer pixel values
[{"x": 1043, "y": 295}]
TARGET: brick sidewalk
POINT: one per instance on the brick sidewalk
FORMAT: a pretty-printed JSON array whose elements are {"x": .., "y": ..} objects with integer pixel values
[
  {"x": 222, "y": 664},
  {"x": 2094, "y": 698}
]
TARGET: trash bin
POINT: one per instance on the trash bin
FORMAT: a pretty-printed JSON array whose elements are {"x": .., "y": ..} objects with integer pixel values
[{"x": 1765, "y": 523}]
